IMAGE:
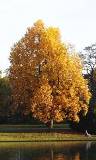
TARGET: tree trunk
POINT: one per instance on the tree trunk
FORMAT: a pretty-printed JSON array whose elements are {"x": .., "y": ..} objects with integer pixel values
[
  {"x": 51, "y": 154},
  {"x": 51, "y": 123}
]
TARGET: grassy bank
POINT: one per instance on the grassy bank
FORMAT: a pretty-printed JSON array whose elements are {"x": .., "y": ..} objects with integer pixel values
[
  {"x": 43, "y": 137},
  {"x": 33, "y": 128}
]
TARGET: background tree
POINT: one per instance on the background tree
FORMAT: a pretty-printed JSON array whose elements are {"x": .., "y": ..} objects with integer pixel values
[
  {"x": 45, "y": 78},
  {"x": 88, "y": 56},
  {"x": 5, "y": 94}
]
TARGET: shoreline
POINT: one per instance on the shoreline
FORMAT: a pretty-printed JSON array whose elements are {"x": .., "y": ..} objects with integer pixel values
[{"x": 44, "y": 137}]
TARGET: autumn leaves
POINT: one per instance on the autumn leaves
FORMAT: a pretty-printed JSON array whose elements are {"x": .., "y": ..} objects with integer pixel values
[{"x": 45, "y": 79}]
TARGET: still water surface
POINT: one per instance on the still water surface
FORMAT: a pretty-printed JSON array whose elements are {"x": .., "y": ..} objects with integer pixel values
[{"x": 48, "y": 151}]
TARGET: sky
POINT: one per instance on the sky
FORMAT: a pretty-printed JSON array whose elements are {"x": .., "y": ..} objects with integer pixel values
[{"x": 75, "y": 18}]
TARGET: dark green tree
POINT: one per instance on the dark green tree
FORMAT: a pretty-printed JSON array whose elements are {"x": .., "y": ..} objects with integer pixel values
[
  {"x": 88, "y": 57},
  {"x": 5, "y": 94}
]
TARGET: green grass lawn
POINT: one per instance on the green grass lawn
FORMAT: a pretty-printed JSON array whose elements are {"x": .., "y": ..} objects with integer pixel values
[
  {"x": 40, "y": 133},
  {"x": 65, "y": 126},
  {"x": 32, "y": 128},
  {"x": 44, "y": 137}
]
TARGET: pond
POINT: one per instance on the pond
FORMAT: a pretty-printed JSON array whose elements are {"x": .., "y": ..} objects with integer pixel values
[{"x": 48, "y": 151}]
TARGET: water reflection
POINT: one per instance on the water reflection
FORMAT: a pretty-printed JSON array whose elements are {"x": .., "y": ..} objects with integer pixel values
[
  {"x": 48, "y": 151},
  {"x": 88, "y": 145}
]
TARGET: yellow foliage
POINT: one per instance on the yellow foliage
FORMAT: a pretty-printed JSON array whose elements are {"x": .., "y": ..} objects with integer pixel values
[{"x": 45, "y": 78}]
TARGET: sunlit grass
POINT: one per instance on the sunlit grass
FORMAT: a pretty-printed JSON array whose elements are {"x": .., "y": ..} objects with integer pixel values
[{"x": 38, "y": 137}]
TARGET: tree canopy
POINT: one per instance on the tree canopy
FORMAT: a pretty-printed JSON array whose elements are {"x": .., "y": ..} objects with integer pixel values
[
  {"x": 88, "y": 56},
  {"x": 45, "y": 79}
]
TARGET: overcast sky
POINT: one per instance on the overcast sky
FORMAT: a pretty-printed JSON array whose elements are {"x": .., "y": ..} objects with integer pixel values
[{"x": 75, "y": 18}]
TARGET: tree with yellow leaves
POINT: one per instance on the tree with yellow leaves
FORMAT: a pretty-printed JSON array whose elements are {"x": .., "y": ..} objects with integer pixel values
[{"x": 45, "y": 78}]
